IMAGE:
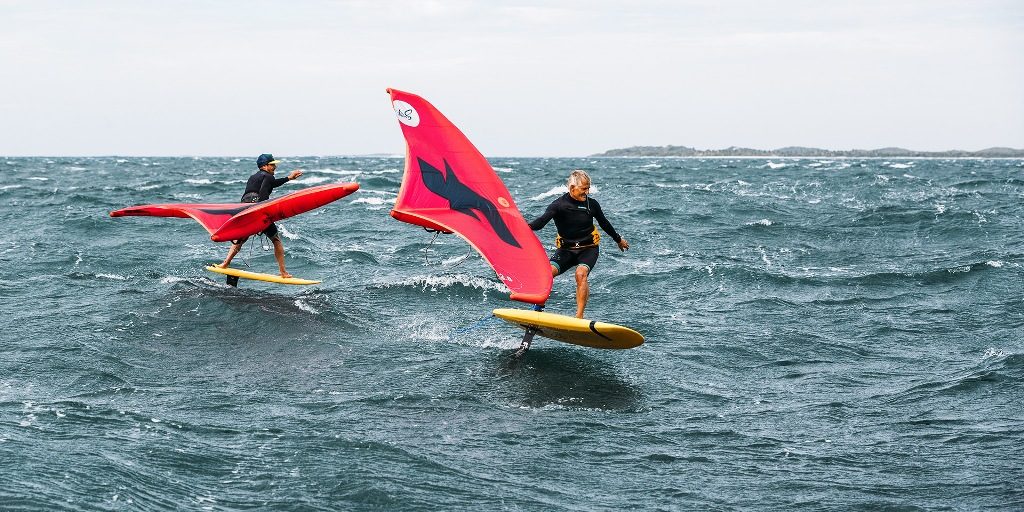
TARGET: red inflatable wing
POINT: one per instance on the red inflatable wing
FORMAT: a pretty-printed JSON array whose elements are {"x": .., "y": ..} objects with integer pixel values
[
  {"x": 210, "y": 216},
  {"x": 449, "y": 186},
  {"x": 232, "y": 221},
  {"x": 256, "y": 219}
]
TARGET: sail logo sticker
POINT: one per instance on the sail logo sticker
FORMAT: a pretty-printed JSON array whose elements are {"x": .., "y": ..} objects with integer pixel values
[
  {"x": 508, "y": 281},
  {"x": 406, "y": 114}
]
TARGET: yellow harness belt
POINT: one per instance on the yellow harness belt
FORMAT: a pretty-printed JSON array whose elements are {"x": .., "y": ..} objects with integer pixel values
[{"x": 595, "y": 239}]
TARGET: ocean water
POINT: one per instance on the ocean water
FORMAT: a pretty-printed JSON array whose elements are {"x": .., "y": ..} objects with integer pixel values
[{"x": 821, "y": 335}]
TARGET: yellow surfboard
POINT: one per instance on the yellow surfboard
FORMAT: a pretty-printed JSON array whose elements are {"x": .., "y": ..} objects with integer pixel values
[
  {"x": 589, "y": 333},
  {"x": 257, "y": 276}
]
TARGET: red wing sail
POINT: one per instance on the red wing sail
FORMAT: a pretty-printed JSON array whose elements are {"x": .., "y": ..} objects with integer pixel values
[
  {"x": 232, "y": 221},
  {"x": 257, "y": 218},
  {"x": 211, "y": 216},
  {"x": 449, "y": 186}
]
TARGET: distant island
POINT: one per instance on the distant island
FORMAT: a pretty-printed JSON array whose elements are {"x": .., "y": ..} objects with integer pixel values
[{"x": 796, "y": 151}]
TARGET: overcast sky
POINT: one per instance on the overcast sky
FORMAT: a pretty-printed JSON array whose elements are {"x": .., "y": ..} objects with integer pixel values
[{"x": 520, "y": 78}]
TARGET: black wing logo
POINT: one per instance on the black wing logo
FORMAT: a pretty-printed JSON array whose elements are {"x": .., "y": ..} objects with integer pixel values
[{"x": 464, "y": 199}]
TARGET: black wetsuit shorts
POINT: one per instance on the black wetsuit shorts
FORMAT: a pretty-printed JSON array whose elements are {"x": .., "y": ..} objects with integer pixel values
[
  {"x": 565, "y": 259},
  {"x": 270, "y": 232}
]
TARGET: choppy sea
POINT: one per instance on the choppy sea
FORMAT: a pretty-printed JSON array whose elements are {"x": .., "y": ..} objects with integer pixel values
[{"x": 821, "y": 335}]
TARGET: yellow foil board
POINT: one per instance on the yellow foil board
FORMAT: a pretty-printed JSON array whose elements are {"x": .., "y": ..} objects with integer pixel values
[
  {"x": 589, "y": 333},
  {"x": 257, "y": 276}
]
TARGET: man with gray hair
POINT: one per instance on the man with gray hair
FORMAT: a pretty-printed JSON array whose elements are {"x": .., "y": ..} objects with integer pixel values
[{"x": 576, "y": 244}]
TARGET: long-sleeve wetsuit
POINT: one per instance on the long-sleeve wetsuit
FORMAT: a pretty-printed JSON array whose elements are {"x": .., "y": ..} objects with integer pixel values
[
  {"x": 574, "y": 220},
  {"x": 260, "y": 185},
  {"x": 258, "y": 188}
]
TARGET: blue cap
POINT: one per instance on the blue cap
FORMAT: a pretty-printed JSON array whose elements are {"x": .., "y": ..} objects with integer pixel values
[{"x": 266, "y": 159}]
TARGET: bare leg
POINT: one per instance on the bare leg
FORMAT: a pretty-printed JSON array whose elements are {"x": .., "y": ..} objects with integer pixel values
[
  {"x": 582, "y": 289},
  {"x": 231, "y": 255},
  {"x": 279, "y": 254},
  {"x": 554, "y": 270}
]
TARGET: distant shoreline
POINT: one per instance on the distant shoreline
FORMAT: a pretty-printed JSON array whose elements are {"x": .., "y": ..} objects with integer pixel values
[{"x": 802, "y": 152}]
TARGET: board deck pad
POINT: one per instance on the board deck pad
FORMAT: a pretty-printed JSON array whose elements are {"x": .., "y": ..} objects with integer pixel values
[
  {"x": 578, "y": 331},
  {"x": 257, "y": 276}
]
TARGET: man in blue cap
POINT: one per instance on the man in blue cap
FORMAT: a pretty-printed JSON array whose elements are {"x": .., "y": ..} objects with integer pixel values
[{"x": 258, "y": 188}]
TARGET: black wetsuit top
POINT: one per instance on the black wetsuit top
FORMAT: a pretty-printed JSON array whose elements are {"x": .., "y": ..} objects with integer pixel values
[
  {"x": 260, "y": 185},
  {"x": 575, "y": 220}
]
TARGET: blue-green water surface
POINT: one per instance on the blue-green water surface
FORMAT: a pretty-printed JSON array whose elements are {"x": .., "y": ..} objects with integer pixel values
[{"x": 821, "y": 334}]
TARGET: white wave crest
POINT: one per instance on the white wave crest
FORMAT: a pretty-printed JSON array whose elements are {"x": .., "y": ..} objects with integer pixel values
[
  {"x": 287, "y": 234},
  {"x": 456, "y": 259},
  {"x": 313, "y": 180},
  {"x": 306, "y": 307},
  {"x": 374, "y": 201},
  {"x": 201, "y": 181},
  {"x": 172, "y": 280},
  {"x": 437, "y": 282},
  {"x": 116, "y": 277},
  {"x": 995, "y": 353},
  {"x": 557, "y": 191},
  {"x": 336, "y": 172}
]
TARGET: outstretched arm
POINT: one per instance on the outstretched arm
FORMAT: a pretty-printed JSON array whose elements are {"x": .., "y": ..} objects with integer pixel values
[
  {"x": 277, "y": 182},
  {"x": 607, "y": 227},
  {"x": 543, "y": 220}
]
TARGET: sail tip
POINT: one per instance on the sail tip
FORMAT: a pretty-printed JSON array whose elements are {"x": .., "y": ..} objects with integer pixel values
[
  {"x": 421, "y": 221},
  {"x": 532, "y": 298}
]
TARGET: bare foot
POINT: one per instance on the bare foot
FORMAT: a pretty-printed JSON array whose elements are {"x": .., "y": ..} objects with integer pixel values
[
  {"x": 286, "y": 275},
  {"x": 223, "y": 265}
]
